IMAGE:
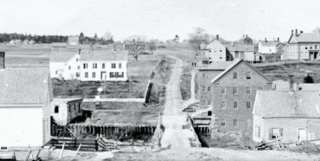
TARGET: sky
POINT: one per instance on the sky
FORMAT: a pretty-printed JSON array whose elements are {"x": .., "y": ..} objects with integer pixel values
[{"x": 160, "y": 19}]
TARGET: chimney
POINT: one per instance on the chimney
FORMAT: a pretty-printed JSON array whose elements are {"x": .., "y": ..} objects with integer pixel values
[
  {"x": 217, "y": 37},
  {"x": 296, "y": 32},
  {"x": 246, "y": 35},
  {"x": 291, "y": 32},
  {"x": 291, "y": 82},
  {"x": 2, "y": 60},
  {"x": 79, "y": 51},
  {"x": 265, "y": 39},
  {"x": 301, "y": 32},
  {"x": 278, "y": 39}
]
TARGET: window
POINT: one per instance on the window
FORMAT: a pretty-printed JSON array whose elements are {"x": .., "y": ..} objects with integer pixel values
[
  {"x": 275, "y": 133},
  {"x": 223, "y": 105},
  {"x": 86, "y": 75},
  {"x": 77, "y": 74},
  {"x": 220, "y": 50},
  {"x": 120, "y": 65},
  {"x": 113, "y": 65},
  {"x": 235, "y": 104},
  {"x": 260, "y": 88},
  {"x": 235, "y": 122},
  {"x": 248, "y": 90},
  {"x": 248, "y": 104},
  {"x": 248, "y": 75},
  {"x": 235, "y": 75},
  {"x": 223, "y": 90},
  {"x": 56, "y": 109},
  {"x": 4, "y": 148},
  {"x": 78, "y": 67},
  {"x": 310, "y": 47},
  {"x": 306, "y": 47},
  {"x": 111, "y": 75},
  {"x": 56, "y": 72},
  {"x": 69, "y": 107},
  {"x": 85, "y": 66},
  {"x": 223, "y": 122},
  {"x": 77, "y": 60},
  {"x": 203, "y": 88},
  {"x": 249, "y": 123},
  {"x": 316, "y": 47},
  {"x": 235, "y": 90},
  {"x": 103, "y": 66},
  {"x": 209, "y": 89},
  {"x": 94, "y": 66},
  {"x": 204, "y": 75},
  {"x": 209, "y": 102},
  {"x": 209, "y": 113},
  {"x": 93, "y": 74},
  {"x": 69, "y": 67}
]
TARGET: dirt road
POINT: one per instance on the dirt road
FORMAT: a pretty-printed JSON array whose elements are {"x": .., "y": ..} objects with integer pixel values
[{"x": 173, "y": 118}]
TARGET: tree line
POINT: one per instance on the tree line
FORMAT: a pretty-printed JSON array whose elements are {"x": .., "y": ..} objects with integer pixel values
[{"x": 7, "y": 37}]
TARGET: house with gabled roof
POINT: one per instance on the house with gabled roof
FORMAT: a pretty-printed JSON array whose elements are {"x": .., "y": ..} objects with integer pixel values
[
  {"x": 65, "y": 65},
  {"x": 292, "y": 116},
  {"x": 233, "y": 95},
  {"x": 65, "y": 110},
  {"x": 243, "y": 51},
  {"x": 216, "y": 50},
  {"x": 303, "y": 46},
  {"x": 73, "y": 40},
  {"x": 104, "y": 66},
  {"x": 25, "y": 96},
  {"x": 267, "y": 47}
]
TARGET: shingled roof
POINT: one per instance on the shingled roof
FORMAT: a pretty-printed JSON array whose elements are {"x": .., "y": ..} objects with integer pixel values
[
  {"x": 240, "y": 47},
  {"x": 107, "y": 55},
  {"x": 61, "y": 56},
  {"x": 24, "y": 85},
  {"x": 269, "y": 43},
  {"x": 235, "y": 63},
  {"x": 302, "y": 104},
  {"x": 215, "y": 65},
  {"x": 308, "y": 37}
]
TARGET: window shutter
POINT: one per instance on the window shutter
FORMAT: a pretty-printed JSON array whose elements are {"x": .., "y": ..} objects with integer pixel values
[
  {"x": 281, "y": 131},
  {"x": 270, "y": 133}
]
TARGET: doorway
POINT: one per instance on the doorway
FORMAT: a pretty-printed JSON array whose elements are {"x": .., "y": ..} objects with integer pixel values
[
  {"x": 302, "y": 134},
  {"x": 103, "y": 76}
]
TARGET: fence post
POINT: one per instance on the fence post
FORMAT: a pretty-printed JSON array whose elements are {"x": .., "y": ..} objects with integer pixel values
[{"x": 96, "y": 144}]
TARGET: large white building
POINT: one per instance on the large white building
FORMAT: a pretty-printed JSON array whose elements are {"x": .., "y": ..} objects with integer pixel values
[
  {"x": 268, "y": 47},
  {"x": 25, "y": 95},
  {"x": 89, "y": 65}
]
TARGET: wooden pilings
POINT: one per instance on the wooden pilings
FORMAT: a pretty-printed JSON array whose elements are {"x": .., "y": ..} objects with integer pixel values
[{"x": 202, "y": 130}]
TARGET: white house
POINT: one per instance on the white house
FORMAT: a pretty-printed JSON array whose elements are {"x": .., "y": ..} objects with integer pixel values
[
  {"x": 73, "y": 40},
  {"x": 242, "y": 51},
  {"x": 25, "y": 96},
  {"x": 104, "y": 65},
  {"x": 65, "y": 110},
  {"x": 65, "y": 65},
  {"x": 268, "y": 47},
  {"x": 215, "y": 50}
]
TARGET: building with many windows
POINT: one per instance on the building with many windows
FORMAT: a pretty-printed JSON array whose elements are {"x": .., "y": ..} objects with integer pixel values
[
  {"x": 233, "y": 95},
  {"x": 303, "y": 46},
  {"x": 89, "y": 65}
]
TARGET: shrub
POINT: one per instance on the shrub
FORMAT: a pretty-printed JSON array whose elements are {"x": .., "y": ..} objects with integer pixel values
[
  {"x": 308, "y": 148},
  {"x": 308, "y": 79}
]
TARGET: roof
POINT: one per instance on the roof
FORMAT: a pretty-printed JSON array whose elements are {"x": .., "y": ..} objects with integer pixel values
[
  {"x": 308, "y": 37},
  {"x": 216, "y": 65},
  {"x": 240, "y": 47},
  {"x": 269, "y": 43},
  {"x": 24, "y": 85},
  {"x": 108, "y": 55},
  {"x": 236, "y": 62},
  {"x": 61, "y": 56},
  {"x": 288, "y": 104},
  {"x": 66, "y": 100},
  {"x": 281, "y": 85}
]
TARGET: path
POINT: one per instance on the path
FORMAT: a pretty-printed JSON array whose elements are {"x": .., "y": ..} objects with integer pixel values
[
  {"x": 192, "y": 99},
  {"x": 173, "y": 118},
  {"x": 114, "y": 100}
]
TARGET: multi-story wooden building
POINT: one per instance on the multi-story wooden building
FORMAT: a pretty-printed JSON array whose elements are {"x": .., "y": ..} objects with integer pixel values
[
  {"x": 233, "y": 95},
  {"x": 303, "y": 46}
]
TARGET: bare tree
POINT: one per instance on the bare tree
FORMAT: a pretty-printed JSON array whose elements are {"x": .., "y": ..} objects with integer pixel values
[
  {"x": 199, "y": 36},
  {"x": 107, "y": 36},
  {"x": 316, "y": 30},
  {"x": 135, "y": 48}
]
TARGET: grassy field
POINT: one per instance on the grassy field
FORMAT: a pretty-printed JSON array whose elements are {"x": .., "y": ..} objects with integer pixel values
[{"x": 299, "y": 70}]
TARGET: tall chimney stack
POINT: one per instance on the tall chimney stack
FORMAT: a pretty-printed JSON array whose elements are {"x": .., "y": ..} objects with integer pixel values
[
  {"x": 217, "y": 37},
  {"x": 265, "y": 39},
  {"x": 278, "y": 39},
  {"x": 2, "y": 60},
  {"x": 291, "y": 32},
  {"x": 296, "y": 32},
  {"x": 79, "y": 51},
  {"x": 301, "y": 32}
]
